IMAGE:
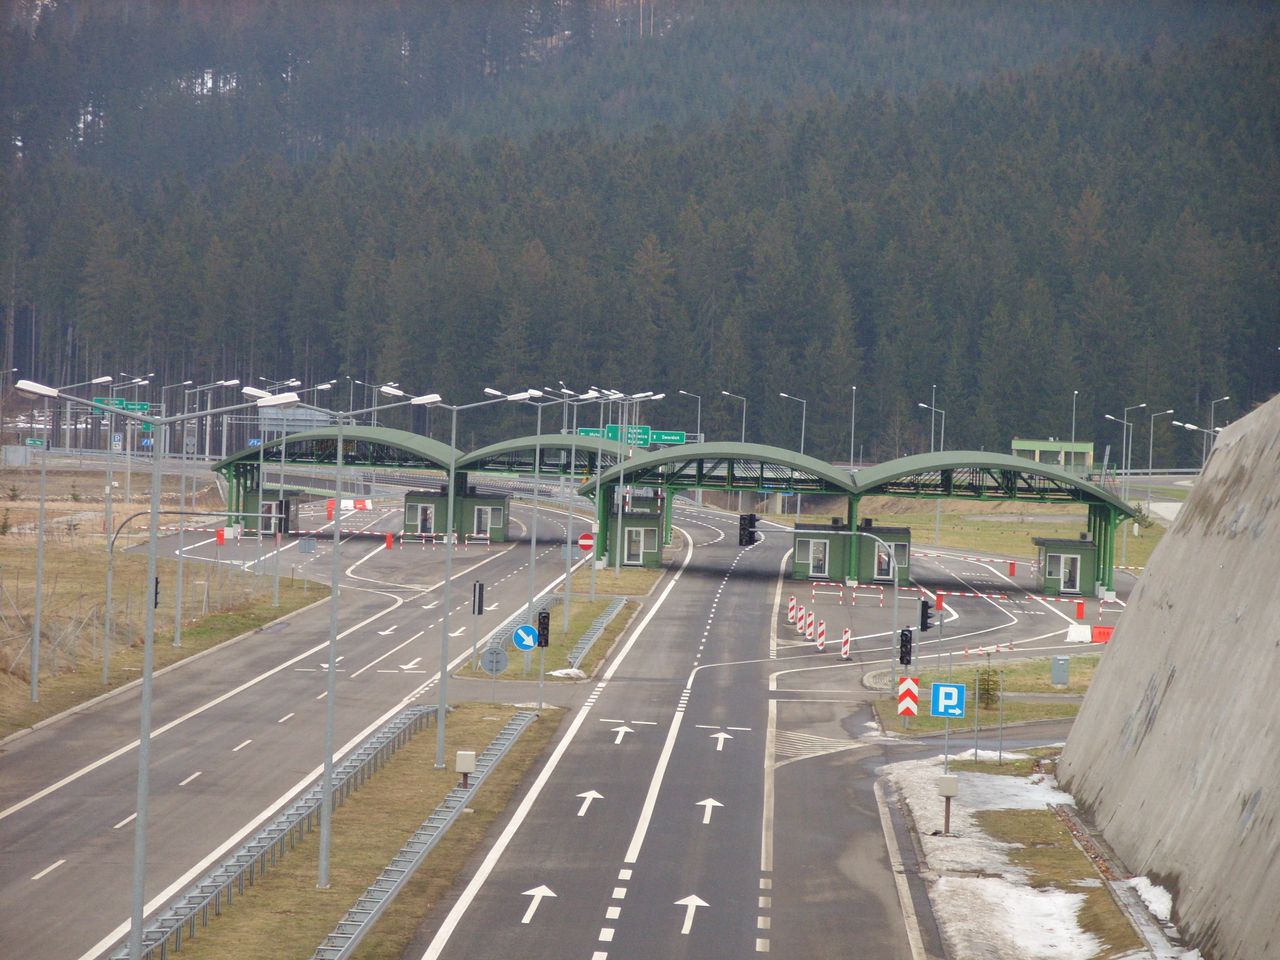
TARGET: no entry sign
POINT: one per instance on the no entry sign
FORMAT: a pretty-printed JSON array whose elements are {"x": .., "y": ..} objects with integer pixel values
[{"x": 586, "y": 541}]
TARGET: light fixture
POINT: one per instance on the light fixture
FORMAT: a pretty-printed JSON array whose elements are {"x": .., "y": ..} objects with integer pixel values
[
  {"x": 254, "y": 393},
  {"x": 492, "y": 392},
  {"x": 29, "y": 388},
  {"x": 534, "y": 392},
  {"x": 278, "y": 400},
  {"x": 390, "y": 391},
  {"x": 517, "y": 397},
  {"x": 107, "y": 380},
  {"x": 425, "y": 399}
]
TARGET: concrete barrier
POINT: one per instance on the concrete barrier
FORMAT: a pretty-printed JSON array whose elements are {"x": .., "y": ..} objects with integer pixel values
[{"x": 1175, "y": 755}]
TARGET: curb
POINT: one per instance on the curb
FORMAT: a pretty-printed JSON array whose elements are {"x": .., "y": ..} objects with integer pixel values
[{"x": 116, "y": 691}]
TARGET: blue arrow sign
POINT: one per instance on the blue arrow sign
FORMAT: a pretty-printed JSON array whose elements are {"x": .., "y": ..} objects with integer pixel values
[
  {"x": 525, "y": 637},
  {"x": 946, "y": 700}
]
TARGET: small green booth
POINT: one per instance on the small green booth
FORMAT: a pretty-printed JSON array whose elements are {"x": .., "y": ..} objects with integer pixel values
[
  {"x": 641, "y": 539},
  {"x": 872, "y": 561},
  {"x": 477, "y": 516},
  {"x": 1067, "y": 567},
  {"x": 820, "y": 551}
]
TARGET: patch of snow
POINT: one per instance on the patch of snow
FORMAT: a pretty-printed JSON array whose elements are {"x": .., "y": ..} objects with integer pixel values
[
  {"x": 988, "y": 918},
  {"x": 572, "y": 673},
  {"x": 1158, "y": 900}
]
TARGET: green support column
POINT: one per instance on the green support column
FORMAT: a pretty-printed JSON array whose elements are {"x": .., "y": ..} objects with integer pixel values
[
  {"x": 602, "y": 522},
  {"x": 667, "y": 511},
  {"x": 853, "y": 539}
]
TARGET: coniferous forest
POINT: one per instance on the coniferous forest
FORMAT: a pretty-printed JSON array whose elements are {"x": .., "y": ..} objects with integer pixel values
[{"x": 1005, "y": 201}]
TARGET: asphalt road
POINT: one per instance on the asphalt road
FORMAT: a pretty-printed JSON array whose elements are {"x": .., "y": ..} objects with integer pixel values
[{"x": 235, "y": 734}]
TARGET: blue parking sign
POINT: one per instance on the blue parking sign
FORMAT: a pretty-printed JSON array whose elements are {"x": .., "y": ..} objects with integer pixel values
[{"x": 946, "y": 700}]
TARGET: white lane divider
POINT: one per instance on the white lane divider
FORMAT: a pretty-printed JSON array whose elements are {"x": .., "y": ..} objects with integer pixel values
[
  {"x": 49, "y": 869},
  {"x": 190, "y": 778},
  {"x": 241, "y": 746}
]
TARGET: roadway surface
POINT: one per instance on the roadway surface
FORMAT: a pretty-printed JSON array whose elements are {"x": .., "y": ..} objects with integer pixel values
[
  {"x": 712, "y": 794},
  {"x": 236, "y": 733}
]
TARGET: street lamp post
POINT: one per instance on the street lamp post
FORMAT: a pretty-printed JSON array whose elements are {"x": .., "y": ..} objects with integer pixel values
[
  {"x": 804, "y": 409},
  {"x": 853, "y": 424},
  {"x": 743, "y": 438},
  {"x": 1151, "y": 442},
  {"x": 1074, "y": 395},
  {"x": 942, "y": 445},
  {"x": 574, "y": 401},
  {"x": 29, "y": 388},
  {"x": 697, "y": 428},
  {"x": 1208, "y": 438}
]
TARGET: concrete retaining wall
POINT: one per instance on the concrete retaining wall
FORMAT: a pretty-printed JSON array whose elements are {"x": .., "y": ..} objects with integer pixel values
[{"x": 1176, "y": 752}]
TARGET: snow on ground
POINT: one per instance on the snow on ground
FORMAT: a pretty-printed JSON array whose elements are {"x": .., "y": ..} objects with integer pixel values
[
  {"x": 988, "y": 918},
  {"x": 984, "y": 908}
]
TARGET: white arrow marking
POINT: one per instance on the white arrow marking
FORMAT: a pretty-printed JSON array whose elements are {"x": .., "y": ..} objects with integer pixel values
[
  {"x": 387, "y": 632},
  {"x": 492, "y": 606},
  {"x": 458, "y": 632},
  {"x": 411, "y": 664},
  {"x": 537, "y": 893},
  {"x": 720, "y": 738},
  {"x": 709, "y": 804},
  {"x": 324, "y": 664},
  {"x": 428, "y": 606},
  {"x": 586, "y": 801},
  {"x": 691, "y": 903},
  {"x": 622, "y": 731}
]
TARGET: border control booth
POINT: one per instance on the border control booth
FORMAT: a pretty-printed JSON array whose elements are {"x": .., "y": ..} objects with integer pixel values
[
  {"x": 477, "y": 515},
  {"x": 1067, "y": 567}
]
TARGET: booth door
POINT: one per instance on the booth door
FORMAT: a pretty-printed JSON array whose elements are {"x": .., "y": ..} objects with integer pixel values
[
  {"x": 1070, "y": 573},
  {"x": 818, "y": 559},
  {"x": 635, "y": 546},
  {"x": 426, "y": 518}
]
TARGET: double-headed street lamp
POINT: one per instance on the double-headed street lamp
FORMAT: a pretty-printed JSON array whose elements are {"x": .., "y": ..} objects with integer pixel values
[
  {"x": 1209, "y": 437},
  {"x": 942, "y": 445},
  {"x": 743, "y": 437},
  {"x": 697, "y": 428},
  {"x": 804, "y": 410},
  {"x": 31, "y": 389}
]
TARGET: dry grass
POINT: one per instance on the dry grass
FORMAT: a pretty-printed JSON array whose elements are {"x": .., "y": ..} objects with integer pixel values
[
  {"x": 1037, "y": 760},
  {"x": 1020, "y": 676},
  {"x": 72, "y": 620},
  {"x": 627, "y": 582},
  {"x": 284, "y": 916},
  {"x": 1050, "y": 855}
]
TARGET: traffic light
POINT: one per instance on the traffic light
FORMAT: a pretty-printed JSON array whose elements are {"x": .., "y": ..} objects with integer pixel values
[
  {"x": 904, "y": 647},
  {"x": 926, "y": 615},
  {"x": 747, "y": 534},
  {"x": 544, "y": 628}
]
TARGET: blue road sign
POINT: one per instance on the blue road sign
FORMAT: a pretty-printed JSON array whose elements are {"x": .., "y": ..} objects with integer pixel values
[
  {"x": 946, "y": 700},
  {"x": 255, "y": 441},
  {"x": 525, "y": 637}
]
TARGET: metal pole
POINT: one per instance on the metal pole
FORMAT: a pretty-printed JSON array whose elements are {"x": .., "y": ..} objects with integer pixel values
[
  {"x": 853, "y": 423},
  {"x": 622, "y": 457},
  {"x": 533, "y": 535},
  {"x": 106, "y": 615},
  {"x": 443, "y": 706},
  {"x": 182, "y": 508},
  {"x": 144, "y": 725},
  {"x": 279, "y": 527},
  {"x": 804, "y": 410},
  {"x": 40, "y": 538},
  {"x": 698, "y": 427},
  {"x": 569, "y": 544},
  {"x": 596, "y": 548},
  {"x": 933, "y": 402},
  {"x": 326, "y": 805},
  {"x": 1074, "y": 394}
]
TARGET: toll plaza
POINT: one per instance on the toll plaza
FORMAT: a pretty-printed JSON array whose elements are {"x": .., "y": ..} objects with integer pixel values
[{"x": 478, "y": 515}]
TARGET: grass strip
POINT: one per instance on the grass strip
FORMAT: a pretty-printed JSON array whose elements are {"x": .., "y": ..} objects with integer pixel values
[
  {"x": 1049, "y": 854},
  {"x": 284, "y": 915}
]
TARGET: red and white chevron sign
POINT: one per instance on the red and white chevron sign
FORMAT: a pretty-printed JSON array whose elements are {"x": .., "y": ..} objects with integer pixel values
[{"x": 908, "y": 696}]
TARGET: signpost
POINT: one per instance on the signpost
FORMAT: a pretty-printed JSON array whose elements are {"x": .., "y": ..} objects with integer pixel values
[
  {"x": 590, "y": 432},
  {"x": 34, "y": 442},
  {"x": 586, "y": 542},
  {"x": 947, "y": 700},
  {"x": 255, "y": 441},
  {"x": 908, "y": 696},
  {"x": 525, "y": 637},
  {"x": 668, "y": 436},
  {"x": 493, "y": 660}
]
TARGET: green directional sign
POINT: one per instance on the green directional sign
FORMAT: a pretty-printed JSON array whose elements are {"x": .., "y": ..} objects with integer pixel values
[
  {"x": 590, "y": 432},
  {"x": 117, "y": 402},
  {"x": 667, "y": 436},
  {"x": 137, "y": 406},
  {"x": 638, "y": 434},
  {"x": 34, "y": 442}
]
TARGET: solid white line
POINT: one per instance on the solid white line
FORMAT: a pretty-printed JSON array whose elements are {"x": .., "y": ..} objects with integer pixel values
[
  {"x": 190, "y": 778},
  {"x": 900, "y": 878},
  {"x": 49, "y": 869},
  {"x": 463, "y": 903},
  {"x": 241, "y": 747},
  {"x": 766, "y": 820},
  {"x": 129, "y": 819},
  {"x": 655, "y": 784},
  {"x": 287, "y": 716}
]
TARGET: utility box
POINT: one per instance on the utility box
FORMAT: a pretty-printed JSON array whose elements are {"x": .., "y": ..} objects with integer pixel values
[
  {"x": 1067, "y": 567},
  {"x": 1060, "y": 671}
]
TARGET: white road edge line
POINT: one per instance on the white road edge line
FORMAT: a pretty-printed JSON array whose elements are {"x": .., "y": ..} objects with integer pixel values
[
  {"x": 441, "y": 939},
  {"x": 909, "y": 918}
]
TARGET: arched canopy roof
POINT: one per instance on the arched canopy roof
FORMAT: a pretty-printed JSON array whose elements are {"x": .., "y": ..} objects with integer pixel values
[
  {"x": 728, "y": 466},
  {"x": 361, "y": 446},
  {"x": 516, "y": 455},
  {"x": 979, "y": 475}
]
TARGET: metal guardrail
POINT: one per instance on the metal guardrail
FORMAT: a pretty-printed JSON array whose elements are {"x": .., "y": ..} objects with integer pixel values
[
  {"x": 351, "y": 929},
  {"x": 253, "y": 859},
  {"x": 583, "y": 645},
  {"x": 502, "y": 633}
]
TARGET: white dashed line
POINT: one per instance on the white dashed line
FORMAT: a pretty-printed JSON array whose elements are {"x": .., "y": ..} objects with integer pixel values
[
  {"x": 241, "y": 747},
  {"x": 190, "y": 778},
  {"x": 284, "y": 718},
  {"x": 129, "y": 819},
  {"x": 49, "y": 869}
]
